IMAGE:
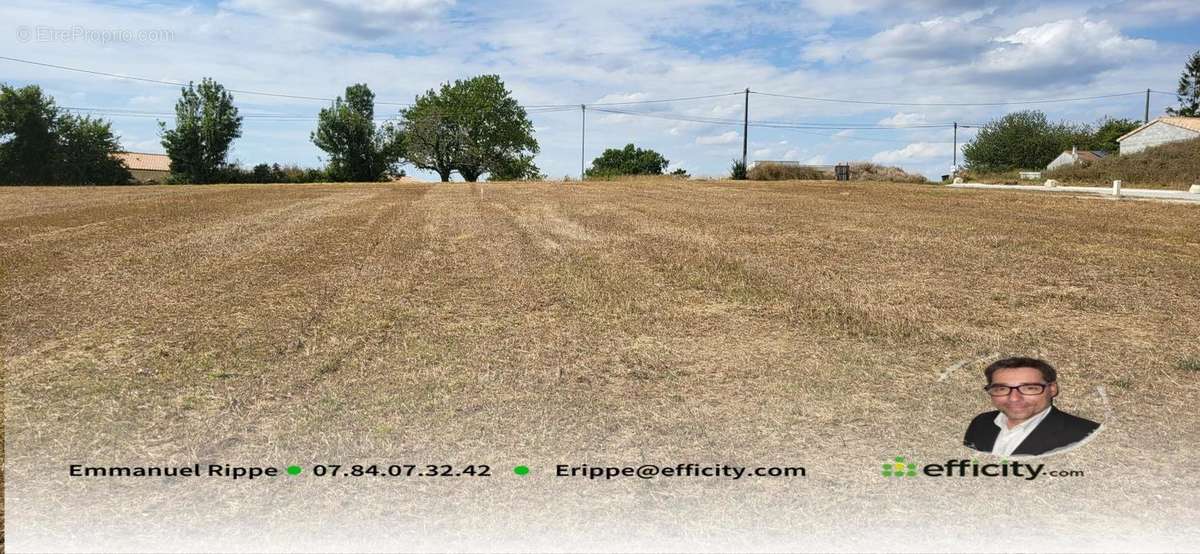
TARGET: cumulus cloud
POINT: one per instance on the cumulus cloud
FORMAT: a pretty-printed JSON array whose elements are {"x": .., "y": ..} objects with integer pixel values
[
  {"x": 901, "y": 119},
  {"x": 1147, "y": 12},
  {"x": 915, "y": 152},
  {"x": 848, "y": 7},
  {"x": 936, "y": 40},
  {"x": 728, "y": 137},
  {"x": 350, "y": 18},
  {"x": 1069, "y": 50}
]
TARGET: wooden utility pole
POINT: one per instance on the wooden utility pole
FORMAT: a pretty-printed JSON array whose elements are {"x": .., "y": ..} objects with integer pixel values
[
  {"x": 745, "y": 126},
  {"x": 1146, "y": 118},
  {"x": 582, "y": 136},
  {"x": 954, "y": 166}
]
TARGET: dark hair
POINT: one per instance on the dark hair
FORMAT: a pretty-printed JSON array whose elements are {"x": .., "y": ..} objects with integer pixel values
[{"x": 1047, "y": 370}]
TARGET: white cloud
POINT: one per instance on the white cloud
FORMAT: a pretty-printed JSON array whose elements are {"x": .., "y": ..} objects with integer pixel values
[
  {"x": 1148, "y": 12},
  {"x": 622, "y": 97},
  {"x": 901, "y": 119},
  {"x": 936, "y": 40},
  {"x": 917, "y": 151},
  {"x": 1074, "y": 50},
  {"x": 728, "y": 137},
  {"x": 349, "y": 18}
]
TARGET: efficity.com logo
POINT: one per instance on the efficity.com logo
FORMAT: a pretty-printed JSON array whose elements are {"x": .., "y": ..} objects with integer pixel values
[{"x": 901, "y": 467}]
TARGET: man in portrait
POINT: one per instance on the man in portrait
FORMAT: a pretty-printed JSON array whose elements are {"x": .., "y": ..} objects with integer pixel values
[{"x": 1025, "y": 422}]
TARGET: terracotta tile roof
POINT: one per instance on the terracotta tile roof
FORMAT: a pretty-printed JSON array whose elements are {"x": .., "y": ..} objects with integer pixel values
[
  {"x": 143, "y": 161},
  {"x": 1192, "y": 123}
]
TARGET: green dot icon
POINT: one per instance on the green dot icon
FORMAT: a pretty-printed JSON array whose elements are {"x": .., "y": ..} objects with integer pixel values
[
  {"x": 294, "y": 470},
  {"x": 521, "y": 470}
]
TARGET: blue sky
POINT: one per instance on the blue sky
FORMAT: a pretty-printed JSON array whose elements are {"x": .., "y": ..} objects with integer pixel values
[{"x": 553, "y": 52}]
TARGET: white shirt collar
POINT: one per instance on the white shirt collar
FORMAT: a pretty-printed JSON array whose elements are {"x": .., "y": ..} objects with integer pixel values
[{"x": 1008, "y": 439}]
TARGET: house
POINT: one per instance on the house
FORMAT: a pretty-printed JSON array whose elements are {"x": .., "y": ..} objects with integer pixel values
[
  {"x": 146, "y": 168},
  {"x": 1158, "y": 132},
  {"x": 1074, "y": 156}
]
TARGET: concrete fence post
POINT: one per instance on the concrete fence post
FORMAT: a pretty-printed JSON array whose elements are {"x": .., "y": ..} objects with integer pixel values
[{"x": 1117, "y": 188}]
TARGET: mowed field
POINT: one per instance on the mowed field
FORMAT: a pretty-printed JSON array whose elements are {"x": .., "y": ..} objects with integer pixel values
[{"x": 820, "y": 324}]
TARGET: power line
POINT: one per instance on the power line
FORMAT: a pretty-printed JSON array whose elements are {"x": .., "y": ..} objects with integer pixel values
[
  {"x": 327, "y": 99},
  {"x": 1005, "y": 103},
  {"x": 126, "y": 112},
  {"x": 682, "y": 99},
  {"x": 776, "y": 124},
  {"x": 160, "y": 81},
  {"x": 800, "y": 128}
]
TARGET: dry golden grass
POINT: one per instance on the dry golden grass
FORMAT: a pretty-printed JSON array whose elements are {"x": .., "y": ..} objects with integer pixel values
[{"x": 601, "y": 322}]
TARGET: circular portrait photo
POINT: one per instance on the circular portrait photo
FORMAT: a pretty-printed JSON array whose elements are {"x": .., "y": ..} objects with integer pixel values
[{"x": 1025, "y": 421}]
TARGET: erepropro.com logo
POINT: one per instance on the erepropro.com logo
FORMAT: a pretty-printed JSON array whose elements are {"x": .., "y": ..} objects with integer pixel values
[{"x": 900, "y": 467}]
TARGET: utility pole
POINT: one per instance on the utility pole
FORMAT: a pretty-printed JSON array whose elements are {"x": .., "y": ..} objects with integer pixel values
[
  {"x": 745, "y": 126},
  {"x": 582, "y": 136},
  {"x": 1146, "y": 118},
  {"x": 954, "y": 166}
]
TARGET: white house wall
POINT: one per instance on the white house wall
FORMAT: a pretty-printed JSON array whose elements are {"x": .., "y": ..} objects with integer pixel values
[
  {"x": 1155, "y": 134},
  {"x": 1062, "y": 159}
]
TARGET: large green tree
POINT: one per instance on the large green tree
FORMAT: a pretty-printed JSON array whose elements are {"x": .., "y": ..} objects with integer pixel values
[
  {"x": 1188, "y": 91},
  {"x": 27, "y": 142},
  {"x": 474, "y": 127},
  {"x": 1109, "y": 130},
  {"x": 41, "y": 144},
  {"x": 1022, "y": 140},
  {"x": 519, "y": 168},
  {"x": 86, "y": 148},
  {"x": 431, "y": 137},
  {"x": 358, "y": 151},
  {"x": 628, "y": 161},
  {"x": 206, "y": 122}
]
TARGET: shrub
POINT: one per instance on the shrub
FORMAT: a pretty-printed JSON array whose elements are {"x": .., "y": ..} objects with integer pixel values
[
  {"x": 263, "y": 173},
  {"x": 1172, "y": 165},
  {"x": 781, "y": 172},
  {"x": 630, "y": 160},
  {"x": 738, "y": 170},
  {"x": 866, "y": 171}
]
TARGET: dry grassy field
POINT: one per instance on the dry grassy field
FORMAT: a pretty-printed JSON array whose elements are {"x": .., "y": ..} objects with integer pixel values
[{"x": 796, "y": 323}]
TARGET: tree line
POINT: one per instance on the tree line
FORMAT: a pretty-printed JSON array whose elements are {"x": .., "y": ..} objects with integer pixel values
[{"x": 472, "y": 127}]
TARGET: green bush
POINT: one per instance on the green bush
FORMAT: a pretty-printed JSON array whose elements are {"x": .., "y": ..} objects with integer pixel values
[
  {"x": 630, "y": 160},
  {"x": 738, "y": 170}
]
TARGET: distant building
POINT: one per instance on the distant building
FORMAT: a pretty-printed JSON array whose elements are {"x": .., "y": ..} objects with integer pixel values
[
  {"x": 1074, "y": 156},
  {"x": 1159, "y": 132},
  {"x": 146, "y": 168}
]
